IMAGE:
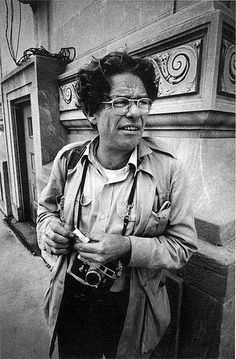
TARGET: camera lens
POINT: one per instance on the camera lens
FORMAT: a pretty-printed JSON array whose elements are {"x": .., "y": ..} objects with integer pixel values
[{"x": 93, "y": 278}]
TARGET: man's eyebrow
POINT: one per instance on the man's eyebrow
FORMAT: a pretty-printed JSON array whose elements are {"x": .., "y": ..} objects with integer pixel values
[{"x": 127, "y": 96}]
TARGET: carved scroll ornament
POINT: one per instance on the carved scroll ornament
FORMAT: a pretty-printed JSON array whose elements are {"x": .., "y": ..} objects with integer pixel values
[
  {"x": 67, "y": 97},
  {"x": 177, "y": 69},
  {"x": 227, "y": 75}
]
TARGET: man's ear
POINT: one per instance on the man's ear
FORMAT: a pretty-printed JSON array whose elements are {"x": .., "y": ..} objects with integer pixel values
[{"x": 92, "y": 119}]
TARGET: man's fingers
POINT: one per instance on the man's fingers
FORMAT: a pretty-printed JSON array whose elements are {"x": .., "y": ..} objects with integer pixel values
[
  {"x": 52, "y": 237},
  {"x": 57, "y": 237},
  {"x": 59, "y": 251},
  {"x": 87, "y": 247},
  {"x": 68, "y": 228},
  {"x": 92, "y": 257},
  {"x": 96, "y": 237},
  {"x": 55, "y": 244},
  {"x": 61, "y": 228},
  {"x": 56, "y": 232}
]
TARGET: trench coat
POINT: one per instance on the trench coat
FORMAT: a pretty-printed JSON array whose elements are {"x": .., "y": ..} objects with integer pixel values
[{"x": 163, "y": 238}]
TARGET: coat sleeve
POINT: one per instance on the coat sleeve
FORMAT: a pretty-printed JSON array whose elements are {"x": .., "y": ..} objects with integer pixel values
[
  {"x": 173, "y": 248},
  {"x": 49, "y": 202}
]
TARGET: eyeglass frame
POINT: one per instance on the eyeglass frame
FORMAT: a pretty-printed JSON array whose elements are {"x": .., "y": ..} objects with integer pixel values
[{"x": 130, "y": 101}]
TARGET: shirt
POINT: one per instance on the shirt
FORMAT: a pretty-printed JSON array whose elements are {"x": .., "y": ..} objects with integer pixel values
[{"x": 105, "y": 196}]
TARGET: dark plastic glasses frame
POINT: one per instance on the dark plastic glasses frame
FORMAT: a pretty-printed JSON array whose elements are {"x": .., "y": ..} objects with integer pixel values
[{"x": 123, "y": 110}]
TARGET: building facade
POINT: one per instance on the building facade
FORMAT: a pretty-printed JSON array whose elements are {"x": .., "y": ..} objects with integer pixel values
[{"x": 192, "y": 45}]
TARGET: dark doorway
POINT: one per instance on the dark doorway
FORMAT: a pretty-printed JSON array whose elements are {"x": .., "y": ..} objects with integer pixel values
[{"x": 26, "y": 155}]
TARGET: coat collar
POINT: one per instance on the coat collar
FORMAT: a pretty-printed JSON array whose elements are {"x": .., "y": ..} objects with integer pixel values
[{"x": 146, "y": 146}]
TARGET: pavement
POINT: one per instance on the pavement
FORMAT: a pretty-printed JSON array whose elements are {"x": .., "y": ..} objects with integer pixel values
[{"x": 23, "y": 281}]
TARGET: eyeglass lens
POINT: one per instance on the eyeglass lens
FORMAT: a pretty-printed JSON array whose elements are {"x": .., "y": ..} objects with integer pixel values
[{"x": 122, "y": 104}]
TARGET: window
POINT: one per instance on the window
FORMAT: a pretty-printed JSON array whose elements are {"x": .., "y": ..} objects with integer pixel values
[
  {"x": 32, "y": 157},
  {"x": 30, "y": 126}
]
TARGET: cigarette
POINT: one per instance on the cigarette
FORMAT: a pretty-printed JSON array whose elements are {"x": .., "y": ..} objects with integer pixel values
[{"x": 81, "y": 236}]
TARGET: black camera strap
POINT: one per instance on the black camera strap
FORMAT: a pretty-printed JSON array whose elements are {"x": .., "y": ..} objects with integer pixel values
[
  {"x": 82, "y": 187},
  {"x": 130, "y": 205}
]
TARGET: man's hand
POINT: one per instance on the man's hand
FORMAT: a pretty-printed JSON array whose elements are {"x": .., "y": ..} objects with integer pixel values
[
  {"x": 104, "y": 247},
  {"x": 58, "y": 236}
]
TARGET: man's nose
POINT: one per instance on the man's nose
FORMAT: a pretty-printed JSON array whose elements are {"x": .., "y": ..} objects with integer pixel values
[{"x": 133, "y": 110}]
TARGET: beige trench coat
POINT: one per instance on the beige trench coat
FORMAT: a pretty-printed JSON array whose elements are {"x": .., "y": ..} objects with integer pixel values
[{"x": 170, "y": 239}]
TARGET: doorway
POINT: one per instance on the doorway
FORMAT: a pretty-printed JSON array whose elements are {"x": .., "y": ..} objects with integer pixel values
[{"x": 27, "y": 169}]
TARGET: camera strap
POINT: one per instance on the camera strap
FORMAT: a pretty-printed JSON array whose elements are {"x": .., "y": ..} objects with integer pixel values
[
  {"x": 82, "y": 186},
  {"x": 130, "y": 205}
]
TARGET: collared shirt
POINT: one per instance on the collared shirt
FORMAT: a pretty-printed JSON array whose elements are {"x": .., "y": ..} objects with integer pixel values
[
  {"x": 104, "y": 199},
  {"x": 105, "y": 196}
]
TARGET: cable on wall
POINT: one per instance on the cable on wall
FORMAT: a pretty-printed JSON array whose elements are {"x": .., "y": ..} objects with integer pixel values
[
  {"x": 65, "y": 55},
  {"x": 9, "y": 29},
  {"x": 19, "y": 30}
]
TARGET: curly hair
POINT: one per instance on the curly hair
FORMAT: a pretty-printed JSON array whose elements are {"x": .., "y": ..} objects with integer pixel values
[{"x": 93, "y": 81}]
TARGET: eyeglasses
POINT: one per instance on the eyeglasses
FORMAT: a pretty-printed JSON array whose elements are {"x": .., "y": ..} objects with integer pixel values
[{"x": 121, "y": 105}]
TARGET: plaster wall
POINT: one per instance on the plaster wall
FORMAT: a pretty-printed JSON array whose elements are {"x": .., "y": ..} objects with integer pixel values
[{"x": 100, "y": 22}]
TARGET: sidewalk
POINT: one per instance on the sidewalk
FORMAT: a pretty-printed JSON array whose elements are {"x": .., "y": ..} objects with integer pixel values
[{"x": 23, "y": 282}]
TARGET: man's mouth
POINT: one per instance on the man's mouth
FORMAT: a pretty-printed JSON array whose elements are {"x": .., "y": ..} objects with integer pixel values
[{"x": 130, "y": 128}]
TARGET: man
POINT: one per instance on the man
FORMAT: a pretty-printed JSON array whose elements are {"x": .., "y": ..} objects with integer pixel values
[{"x": 130, "y": 201}]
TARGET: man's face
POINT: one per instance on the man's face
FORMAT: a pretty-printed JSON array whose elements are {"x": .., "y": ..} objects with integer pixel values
[{"x": 122, "y": 132}]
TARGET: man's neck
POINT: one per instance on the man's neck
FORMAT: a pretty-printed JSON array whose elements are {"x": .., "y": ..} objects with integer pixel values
[{"x": 112, "y": 160}]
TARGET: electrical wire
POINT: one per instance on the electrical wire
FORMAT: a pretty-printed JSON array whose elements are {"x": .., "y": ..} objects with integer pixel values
[
  {"x": 9, "y": 36},
  {"x": 19, "y": 31},
  {"x": 65, "y": 55},
  {"x": 6, "y": 30},
  {"x": 11, "y": 28}
]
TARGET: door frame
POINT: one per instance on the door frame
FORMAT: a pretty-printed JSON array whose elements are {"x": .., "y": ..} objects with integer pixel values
[{"x": 12, "y": 101}]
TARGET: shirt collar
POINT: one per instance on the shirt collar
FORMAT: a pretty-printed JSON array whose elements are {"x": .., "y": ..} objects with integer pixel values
[{"x": 89, "y": 150}]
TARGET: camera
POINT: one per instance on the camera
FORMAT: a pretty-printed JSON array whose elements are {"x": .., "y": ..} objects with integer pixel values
[
  {"x": 94, "y": 274},
  {"x": 91, "y": 273}
]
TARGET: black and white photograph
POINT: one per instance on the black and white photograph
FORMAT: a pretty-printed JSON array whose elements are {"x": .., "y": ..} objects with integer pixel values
[{"x": 117, "y": 179}]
